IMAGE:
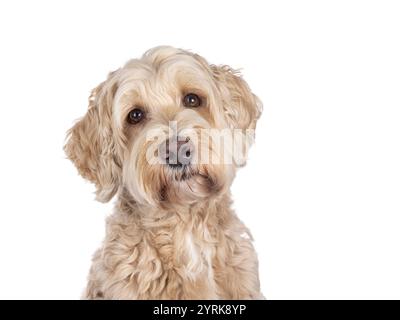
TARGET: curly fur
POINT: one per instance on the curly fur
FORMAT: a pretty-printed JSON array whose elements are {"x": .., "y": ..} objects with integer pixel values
[{"x": 168, "y": 237}]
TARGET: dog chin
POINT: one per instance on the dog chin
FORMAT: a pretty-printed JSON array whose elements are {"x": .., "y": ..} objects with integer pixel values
[{"x": 188, "y": 187}]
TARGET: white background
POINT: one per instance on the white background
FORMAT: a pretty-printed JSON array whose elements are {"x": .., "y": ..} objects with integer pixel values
[{"x": 321, "y": 191}]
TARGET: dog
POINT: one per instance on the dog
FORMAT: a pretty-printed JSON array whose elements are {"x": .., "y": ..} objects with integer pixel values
[{"x": 173, "y": 233}]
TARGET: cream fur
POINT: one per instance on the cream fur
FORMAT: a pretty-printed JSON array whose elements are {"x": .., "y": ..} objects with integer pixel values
[{"x": 169, "y": 237}]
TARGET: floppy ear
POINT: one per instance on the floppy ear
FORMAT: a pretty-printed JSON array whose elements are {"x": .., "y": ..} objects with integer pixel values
[
  {"x": 241, "y": 107},
  {"x": 91, "y": 146}
]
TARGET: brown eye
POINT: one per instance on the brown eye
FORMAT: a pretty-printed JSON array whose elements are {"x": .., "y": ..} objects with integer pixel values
[
  {"x": 135, "y": 116},
  {"x": 192, "y": 100}
]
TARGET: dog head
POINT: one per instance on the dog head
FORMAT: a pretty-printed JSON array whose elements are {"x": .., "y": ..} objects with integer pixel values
[{"x": 167, "y": 128}]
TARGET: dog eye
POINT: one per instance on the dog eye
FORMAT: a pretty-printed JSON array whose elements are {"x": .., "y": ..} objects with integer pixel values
[
  {"x": 191, "y": 100},
  {"x": 135, "y": 116}
]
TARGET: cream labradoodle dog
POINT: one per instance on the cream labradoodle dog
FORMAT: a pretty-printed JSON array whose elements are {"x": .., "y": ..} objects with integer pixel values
[{"x": 148, "y": 137}]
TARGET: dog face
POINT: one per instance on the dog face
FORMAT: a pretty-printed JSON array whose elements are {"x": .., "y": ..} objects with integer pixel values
[{"x": 154, "y": 129}]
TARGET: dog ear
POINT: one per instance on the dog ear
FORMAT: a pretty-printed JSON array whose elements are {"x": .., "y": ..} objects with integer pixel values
[
  {"x": 91, "y": 146},
  {"x": 241, "y": 107}
]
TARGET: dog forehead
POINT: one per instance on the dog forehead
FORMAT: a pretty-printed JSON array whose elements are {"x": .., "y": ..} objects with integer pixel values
[
  {"x": 160, "y": 57},
  {"x": 156, "y": 78},
  {"x": 166, "y": 63}
]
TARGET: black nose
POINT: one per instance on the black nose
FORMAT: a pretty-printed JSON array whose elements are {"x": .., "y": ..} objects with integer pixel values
[{"x": 177, "y": 153}]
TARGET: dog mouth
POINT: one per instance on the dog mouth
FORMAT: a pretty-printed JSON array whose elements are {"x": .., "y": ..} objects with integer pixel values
[
  {"x": 183, "y": 172},
  {"x": 187, "y": 183}
]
